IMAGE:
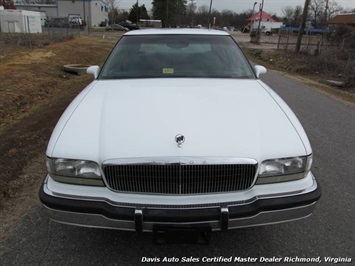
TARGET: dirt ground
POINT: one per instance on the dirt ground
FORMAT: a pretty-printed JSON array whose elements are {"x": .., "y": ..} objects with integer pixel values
[{"x": 34, "y": 91}]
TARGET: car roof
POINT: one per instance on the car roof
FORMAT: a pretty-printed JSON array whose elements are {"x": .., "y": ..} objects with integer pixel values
[{"x": 175, "y": 31}]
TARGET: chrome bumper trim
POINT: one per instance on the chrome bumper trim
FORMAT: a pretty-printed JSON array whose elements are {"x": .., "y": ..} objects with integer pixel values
[
  {"x": 262, "y": 218},
  {"x": 313, "y": 187}
]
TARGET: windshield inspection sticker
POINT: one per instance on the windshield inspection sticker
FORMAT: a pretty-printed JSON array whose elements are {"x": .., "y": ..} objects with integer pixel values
[{"x": 168, "y": 71}]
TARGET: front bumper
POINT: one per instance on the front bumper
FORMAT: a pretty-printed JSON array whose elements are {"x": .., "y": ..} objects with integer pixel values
[{"x": 255, "y": 211}]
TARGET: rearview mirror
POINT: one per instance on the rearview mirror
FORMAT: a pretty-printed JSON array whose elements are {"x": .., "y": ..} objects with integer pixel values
[
  {"x": 259, "y": 70},
  {"x": 93, "y": 70}
]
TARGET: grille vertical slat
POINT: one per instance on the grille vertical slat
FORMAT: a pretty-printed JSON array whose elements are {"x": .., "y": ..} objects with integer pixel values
[
  {"x": 247, "y": 172},
  {"x": 240, "y": 184},
  {"x": 179, "y": 178}
]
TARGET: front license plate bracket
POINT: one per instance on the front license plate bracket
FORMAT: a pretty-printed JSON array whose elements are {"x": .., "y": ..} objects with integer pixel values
[{"x": 167, "y": 234}]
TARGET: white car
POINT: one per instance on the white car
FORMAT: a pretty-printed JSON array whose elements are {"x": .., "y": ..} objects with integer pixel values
[{"x": 178, "y": 131}]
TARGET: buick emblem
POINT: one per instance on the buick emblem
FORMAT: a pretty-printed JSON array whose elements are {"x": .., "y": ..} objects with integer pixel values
[{"x": 180, "y": 139}]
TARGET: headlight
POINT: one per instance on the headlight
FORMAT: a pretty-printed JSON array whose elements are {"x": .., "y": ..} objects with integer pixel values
[
  {"x": 75, "y": 171},
  {"x": 285, "y": 169}
]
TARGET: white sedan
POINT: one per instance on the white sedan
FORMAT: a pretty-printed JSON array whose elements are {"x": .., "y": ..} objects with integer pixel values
[{"x": 177, "y": 130}]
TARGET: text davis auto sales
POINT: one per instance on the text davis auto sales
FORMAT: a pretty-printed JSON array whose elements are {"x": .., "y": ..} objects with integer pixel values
[{"x": 235, "y": 259}]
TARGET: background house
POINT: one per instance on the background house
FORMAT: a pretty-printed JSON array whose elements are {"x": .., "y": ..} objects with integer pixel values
[
  {"x": 343, "y": 19},
  {"x": 264, "y": 17},
  {"x": 267, "y": 24}
]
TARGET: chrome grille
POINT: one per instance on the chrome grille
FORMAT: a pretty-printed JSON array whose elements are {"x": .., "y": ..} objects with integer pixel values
[{"x": 179, "y": 178}]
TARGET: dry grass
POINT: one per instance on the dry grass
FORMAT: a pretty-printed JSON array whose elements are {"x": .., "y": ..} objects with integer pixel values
[
  {"x": 30, "y": 77},
  {"x": 34, "y": 92},
  {"x": 313, "y": 70}
]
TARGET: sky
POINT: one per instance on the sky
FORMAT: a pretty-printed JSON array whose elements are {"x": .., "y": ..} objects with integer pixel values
[{"x": 238, "y": 6}]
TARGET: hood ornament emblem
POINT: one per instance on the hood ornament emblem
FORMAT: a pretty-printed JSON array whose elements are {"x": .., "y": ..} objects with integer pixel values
[{"x": 180, "y": 139}]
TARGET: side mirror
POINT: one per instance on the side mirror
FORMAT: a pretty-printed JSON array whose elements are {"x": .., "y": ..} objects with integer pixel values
[
  {"x": 259, "y": 70},
  {"x": 93, "y": 70}
]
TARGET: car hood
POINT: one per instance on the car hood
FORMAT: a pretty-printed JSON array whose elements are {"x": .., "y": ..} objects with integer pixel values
[{"x": 140, "y": 118}]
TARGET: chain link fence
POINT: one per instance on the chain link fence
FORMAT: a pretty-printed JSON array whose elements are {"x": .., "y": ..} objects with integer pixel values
[
  {"x": 311, "y": 44},
  {"x": 11, "y": 42},
  {"x": 332, "y": 53}
]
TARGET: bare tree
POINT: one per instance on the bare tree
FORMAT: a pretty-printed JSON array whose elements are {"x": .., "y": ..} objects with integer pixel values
[
  {"x": 292, "y": 15},
  {"x": 323, "y": 10},
  {"x": 288, "y": 13},
  {"x": 317, "y": 8},
  {"x": 226, "y": 17},
  {"x": 190, "y": 12},
  {"x": 333, "y": 9},
  {"x": 191, "y": 7},
  {"x": 203, "y": 9},
  {"x": 112, "y": 10},
  {"x": 297, "y": 15},
  {"x": 348, "y": 10}
]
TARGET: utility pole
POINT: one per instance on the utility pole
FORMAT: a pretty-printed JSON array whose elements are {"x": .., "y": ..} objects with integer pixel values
[
  {"x": 261, "y": 17},
  {"x": 252, "y": 13},
  {"x": 84, "y": 15},
  {"x": 303, "y": 26},
  {"x": 191, "y": 13},
  {"x": 167, "y": 14},
  {"x": 137, "y": 13},
  {"x": 326, "y": 12},
  {"x": 209, "y": 15}
]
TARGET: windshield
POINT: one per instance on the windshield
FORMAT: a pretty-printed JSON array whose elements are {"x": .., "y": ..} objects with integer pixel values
[{"x": 164, "y": 56}]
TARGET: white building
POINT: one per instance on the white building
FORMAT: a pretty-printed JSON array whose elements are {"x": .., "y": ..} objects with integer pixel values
[
  {"x": 13, "y": 20},
  {"x": 267, "y": 26},
  {"x": 92, "y": 11}
]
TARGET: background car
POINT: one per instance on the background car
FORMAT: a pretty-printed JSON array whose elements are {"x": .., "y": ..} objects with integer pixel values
[
  {"x": 116, "y": 27},
  {"x": 129, "y": 25}
]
